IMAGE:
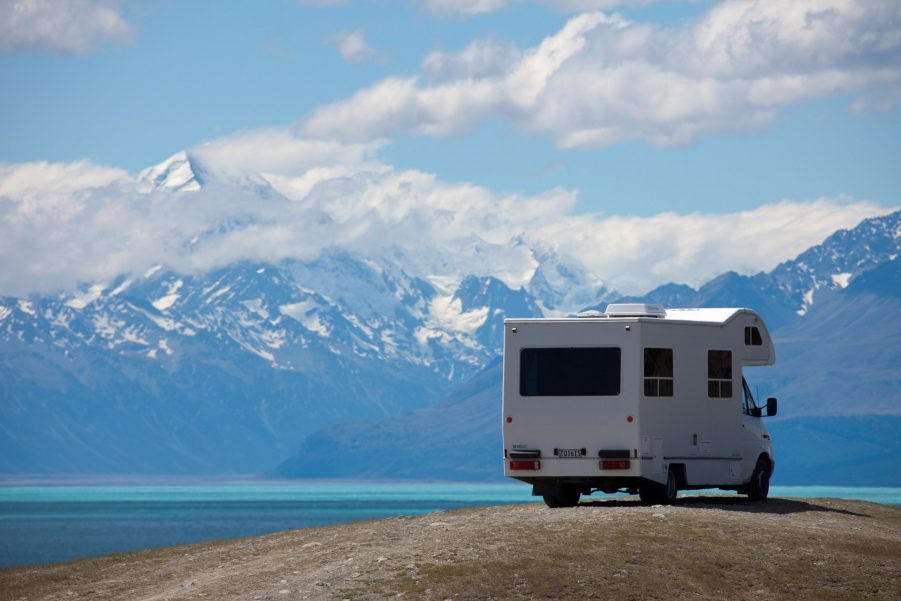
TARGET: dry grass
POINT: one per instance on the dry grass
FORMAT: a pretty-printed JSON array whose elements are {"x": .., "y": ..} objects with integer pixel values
[
  {"x": 710, "y": 549},
  {"x": 668, "y": 555}
]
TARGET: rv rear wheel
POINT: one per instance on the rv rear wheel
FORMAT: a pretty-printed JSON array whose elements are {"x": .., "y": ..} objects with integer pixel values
[
  {"x": 653, "y": 493},
  {"x": 568, "y": 497},
  {"x": 759, "y": 487}
]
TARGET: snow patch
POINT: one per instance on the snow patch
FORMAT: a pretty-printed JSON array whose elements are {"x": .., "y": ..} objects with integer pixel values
[
  {"x": 808, "y": 301},
  {"x": 261, "y": 353},
  {"x": 164, "y": 302},
  {"x": 273, "y": 338},
  {"x": 256, "y": 305},
  {"x": 5, "y": 312},
  {"x": 841, "y": 279},
  {"x": 106, "y": 326},
  {"x": 390, "y": 343},
  {"x": 167, "y": 324},
  {"x": 217, "y": 294},
  {"x": 424, "y": 335},
  {"x": 26, "y": 307},
  {"x": 132, "y": 335},
  {"x": 80, "y": 301},
  {"x": 448, "y": 312},
  {"x": 152, "y": 271},
  {"x": 359, "y": 325},
  {"x": 306, "y": 313},
  {"x": 121, "y": 287}
]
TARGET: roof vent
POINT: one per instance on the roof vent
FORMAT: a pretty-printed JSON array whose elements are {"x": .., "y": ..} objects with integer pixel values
[
  {"x": 636, "y": 310},
  {"x": 590, "y": 313}
]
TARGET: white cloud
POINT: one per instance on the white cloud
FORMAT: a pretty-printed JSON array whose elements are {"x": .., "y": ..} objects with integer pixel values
[
  {"x": 61, "y": 224},
  {"x": 352, "y": 46},
  {"x": 278, "y": 150},
  {"x": 464, "y": 7},
  {"x": 476, "y": 7},
  {"x": 602, "y": 79},
  {"x": 24, "y": 181},
  {"x": 66, "y": 26},
  {"x": 480, "y": 58}
]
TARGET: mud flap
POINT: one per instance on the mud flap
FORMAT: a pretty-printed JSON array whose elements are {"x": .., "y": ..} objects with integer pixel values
[{"x": 550, "y": 488}]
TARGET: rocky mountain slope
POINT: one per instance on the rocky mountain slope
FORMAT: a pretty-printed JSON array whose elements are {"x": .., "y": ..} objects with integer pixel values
[{"x": 167, "y": 371}]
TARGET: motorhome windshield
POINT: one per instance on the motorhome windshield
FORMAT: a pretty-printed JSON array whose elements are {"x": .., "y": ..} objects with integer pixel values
[
  {"x": 580, "y": 371},
  {"x": 748, "y": 406}
]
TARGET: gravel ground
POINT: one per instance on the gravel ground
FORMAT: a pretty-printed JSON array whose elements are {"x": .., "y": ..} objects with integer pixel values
[{"x": 700, "y": 548}]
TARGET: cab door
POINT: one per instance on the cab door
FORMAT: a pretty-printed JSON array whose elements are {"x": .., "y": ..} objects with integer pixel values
[{"x": 754, "y": 436}]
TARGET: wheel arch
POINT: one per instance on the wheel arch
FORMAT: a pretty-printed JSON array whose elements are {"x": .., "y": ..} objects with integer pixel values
[{"x": 770, "y": 464}]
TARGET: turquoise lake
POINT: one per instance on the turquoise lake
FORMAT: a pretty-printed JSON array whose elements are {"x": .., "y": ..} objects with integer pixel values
[{"x": 40, "y": 524}]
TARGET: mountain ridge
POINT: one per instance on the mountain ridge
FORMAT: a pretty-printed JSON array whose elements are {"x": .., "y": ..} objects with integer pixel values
[{"x": 269, "y": 353}]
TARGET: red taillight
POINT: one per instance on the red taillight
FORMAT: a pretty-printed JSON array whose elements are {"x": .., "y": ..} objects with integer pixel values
[
  {"x": 615, "y": 464},
  {"x": 525, "y": 465}
]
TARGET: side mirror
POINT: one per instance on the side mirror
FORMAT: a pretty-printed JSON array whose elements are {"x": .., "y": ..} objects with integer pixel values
[{"x": 771, "y": 406}]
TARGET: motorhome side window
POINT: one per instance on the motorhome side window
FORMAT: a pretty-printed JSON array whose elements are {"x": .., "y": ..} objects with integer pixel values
[
  {"x": 658, "y": 372},
  {"x": 719, "y": 374},
  {"x": 752, "y": 336},
  {"x": 580, "y": 371}
]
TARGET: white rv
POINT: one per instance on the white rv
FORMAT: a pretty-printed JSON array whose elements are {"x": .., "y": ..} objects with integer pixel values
[{"x": 637, "y": 399}]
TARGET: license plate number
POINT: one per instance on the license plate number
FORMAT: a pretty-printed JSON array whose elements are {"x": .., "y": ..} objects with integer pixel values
[{"x": 569, "y": 452}]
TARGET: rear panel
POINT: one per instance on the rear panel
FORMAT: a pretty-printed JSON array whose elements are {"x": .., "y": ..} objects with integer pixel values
[{"x": 550, "y": 404}]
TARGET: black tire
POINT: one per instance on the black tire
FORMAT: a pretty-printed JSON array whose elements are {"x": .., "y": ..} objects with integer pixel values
[
  {"x": 670, "y": 490},
  {"x": 653, "y": 493},
  {"x": 759, "y": 486},
  {"x": 568, "y": 497},
  {"x": 648, "y": 493}
]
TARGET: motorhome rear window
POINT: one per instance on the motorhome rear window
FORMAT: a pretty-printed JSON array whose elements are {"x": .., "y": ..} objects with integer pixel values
[{"x": 582, "y": 371}]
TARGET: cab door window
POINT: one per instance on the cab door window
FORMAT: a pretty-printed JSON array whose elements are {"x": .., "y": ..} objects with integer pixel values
[{"x": 747, "y": 399}]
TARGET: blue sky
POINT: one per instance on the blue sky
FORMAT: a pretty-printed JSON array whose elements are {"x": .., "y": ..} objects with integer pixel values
[
  {"x": 189, "y": 72},
  {"x": 654, "y": 129}
]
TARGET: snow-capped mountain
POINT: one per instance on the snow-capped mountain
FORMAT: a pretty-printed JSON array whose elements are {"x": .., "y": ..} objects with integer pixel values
[
  {"x": 184, "y": 363},
  {"x": 562, "y": 283},
  {"x": 794, "y": 286},
  {"x": 833, "y": 264},
  {"x": 180, "y": 173},
  {"x": 163, "y": 370}
]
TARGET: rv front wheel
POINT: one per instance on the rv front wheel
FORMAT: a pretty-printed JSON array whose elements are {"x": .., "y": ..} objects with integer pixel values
[
  {"x": 759, "y": 487},
  {"x": 670, "y": 489}
]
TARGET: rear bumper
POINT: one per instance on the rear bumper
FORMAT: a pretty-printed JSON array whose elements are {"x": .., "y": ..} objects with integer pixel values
[{"x": 587, "y": 467}]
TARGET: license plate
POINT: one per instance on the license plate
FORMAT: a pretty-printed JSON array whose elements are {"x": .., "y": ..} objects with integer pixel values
[{"x": 569, "y": 452}]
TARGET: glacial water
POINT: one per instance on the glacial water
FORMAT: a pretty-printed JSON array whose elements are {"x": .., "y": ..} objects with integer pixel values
[{"x": 40, "y": 524}]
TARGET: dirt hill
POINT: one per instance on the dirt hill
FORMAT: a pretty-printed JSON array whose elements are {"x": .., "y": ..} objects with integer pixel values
[{"x": 701, "y": 548}]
